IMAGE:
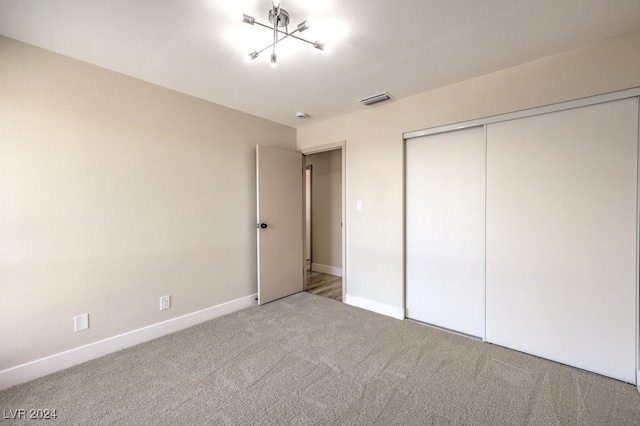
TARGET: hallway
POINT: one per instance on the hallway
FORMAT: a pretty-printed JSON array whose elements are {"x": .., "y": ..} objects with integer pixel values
[{"x": 325, "y": 285}]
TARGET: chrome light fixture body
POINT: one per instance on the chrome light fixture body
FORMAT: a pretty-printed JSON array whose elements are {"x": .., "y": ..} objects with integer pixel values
[{"x": 279, "y": 18}]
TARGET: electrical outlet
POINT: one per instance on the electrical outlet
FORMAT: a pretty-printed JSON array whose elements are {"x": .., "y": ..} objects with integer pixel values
[
  {"x": 165, "y": 302},
  {"x": 80, "y": 322}
]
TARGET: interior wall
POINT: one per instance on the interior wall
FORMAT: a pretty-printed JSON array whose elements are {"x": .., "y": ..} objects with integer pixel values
[
  {"x": 375, "y": 244},
  {"x": 114, "y": 192},
  {"x": 326, "y": 209}
]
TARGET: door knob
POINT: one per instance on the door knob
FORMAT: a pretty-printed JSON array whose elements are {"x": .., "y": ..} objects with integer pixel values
[{"x": 263, "y": 225}]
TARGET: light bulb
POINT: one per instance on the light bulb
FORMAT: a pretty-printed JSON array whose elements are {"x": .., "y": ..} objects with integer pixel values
[
  {"x": 248, "y": 19},
  {"x": 304, "y": 25},
  {"x": 251, "y": 56}
]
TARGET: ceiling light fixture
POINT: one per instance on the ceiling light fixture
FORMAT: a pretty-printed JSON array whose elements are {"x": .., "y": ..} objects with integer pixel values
[{"x": 279, "y": 18}]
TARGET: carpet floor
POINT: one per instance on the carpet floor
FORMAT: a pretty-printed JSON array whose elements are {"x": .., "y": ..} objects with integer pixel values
[{"x": 307, "y": 359}]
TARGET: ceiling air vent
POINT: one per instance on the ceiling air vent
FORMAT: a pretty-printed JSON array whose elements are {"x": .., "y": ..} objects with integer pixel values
[{"x": 374, "y": 99}]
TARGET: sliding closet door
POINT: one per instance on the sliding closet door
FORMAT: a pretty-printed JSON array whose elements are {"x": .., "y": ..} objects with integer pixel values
[
  {"x": 445, "y": 230},
  {"x": 561, "y": 236}
]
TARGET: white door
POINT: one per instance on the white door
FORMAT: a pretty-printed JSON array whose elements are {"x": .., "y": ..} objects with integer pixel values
[
  {"x": 279, "y": 181},
  {"x": 561, "y": 236},
  {"x": 445, "y": 230}
]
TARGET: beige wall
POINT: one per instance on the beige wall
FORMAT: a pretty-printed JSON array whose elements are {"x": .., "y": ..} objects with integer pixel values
[
  {"x": 114, "y": 192},
  {"x": 326, "y": 207},
  {"x": 374, "y": 143}
]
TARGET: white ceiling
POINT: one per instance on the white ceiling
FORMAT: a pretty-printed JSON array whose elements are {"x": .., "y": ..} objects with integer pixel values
[{"x": 404, "y": 47}]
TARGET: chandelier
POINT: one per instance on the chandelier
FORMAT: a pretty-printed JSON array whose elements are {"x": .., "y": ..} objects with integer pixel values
[{"x": 279, "y": 18}]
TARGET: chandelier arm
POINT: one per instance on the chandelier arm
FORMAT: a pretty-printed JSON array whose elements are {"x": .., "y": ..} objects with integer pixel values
[
  {"x": 272, "y": 44},
  {"x": 264, "y": 25},
  {"x": 280, "y": 31},
  {"x": 276, "y": 11},
  {"x": 300, "y": 38},
  {"x": 276, "y": 22}
]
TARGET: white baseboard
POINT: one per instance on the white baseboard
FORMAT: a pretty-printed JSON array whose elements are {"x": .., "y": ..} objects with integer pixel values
[
  {"x": 370, "y": 305},
  {"x": 325, "y": 269},
  {"x": 638, "y": 380},
  {"x": 50, "y": 364}
]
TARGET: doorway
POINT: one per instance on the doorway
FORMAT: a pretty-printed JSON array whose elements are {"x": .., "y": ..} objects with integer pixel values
[{"x": 324, "y": 222}]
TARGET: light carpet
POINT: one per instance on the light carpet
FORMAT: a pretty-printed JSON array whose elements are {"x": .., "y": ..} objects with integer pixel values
[{"x": 306, "y": 359}]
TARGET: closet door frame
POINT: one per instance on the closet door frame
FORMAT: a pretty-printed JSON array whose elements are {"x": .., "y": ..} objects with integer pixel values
[
  {"x": 561, "y": 106},
  {"x": 577, "y": 103}
]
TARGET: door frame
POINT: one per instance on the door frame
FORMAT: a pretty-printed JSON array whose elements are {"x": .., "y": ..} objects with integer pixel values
[
  {"x": 331, "y": 147},
  {"x": 308, "y": 219}
]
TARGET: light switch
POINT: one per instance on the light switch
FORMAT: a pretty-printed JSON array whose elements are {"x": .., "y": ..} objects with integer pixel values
[{"x": 359, "y": 205}]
